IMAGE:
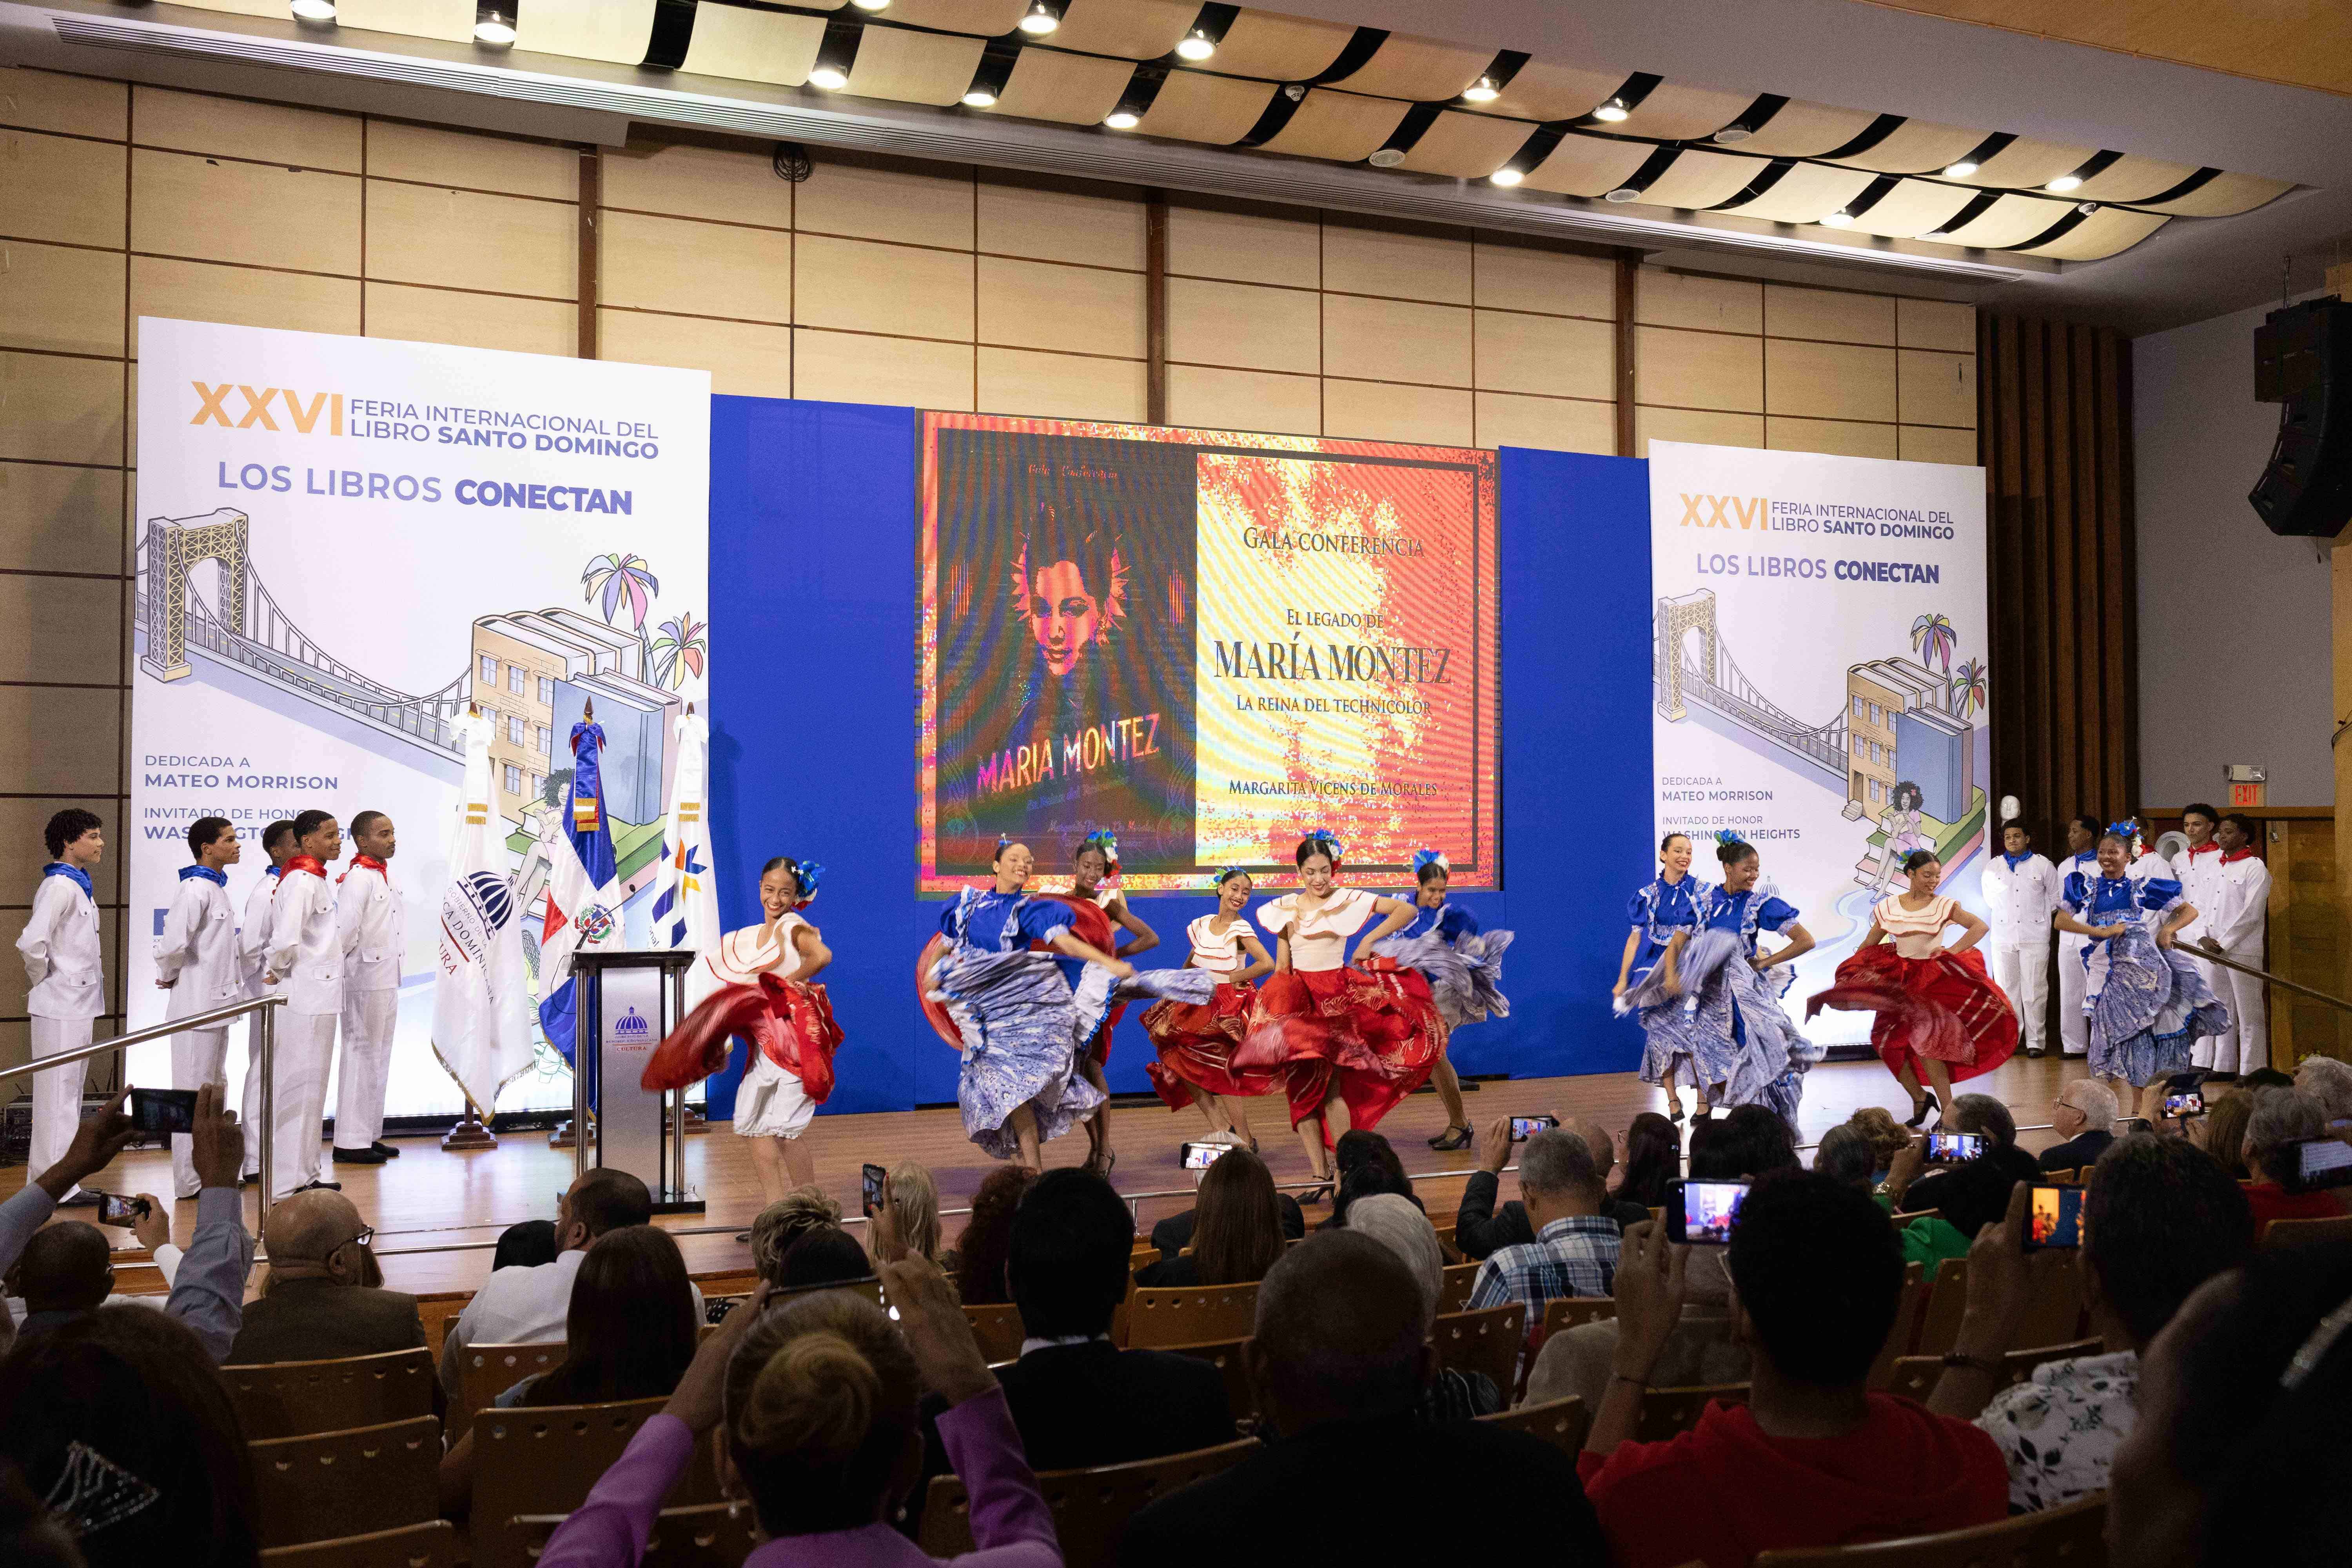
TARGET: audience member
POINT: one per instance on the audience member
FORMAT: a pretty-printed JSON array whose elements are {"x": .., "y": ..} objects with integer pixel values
[
  {"x": 1751, "y": 1141},
  {"x": 1814, "y": 1460},
  {"x": 1701, "y": 1352},
  {"x": 1363, "y": 1179},
  {"x": 312, "y": 1305},
  {"x": 2239, "y": 1454},
  {"x": 1575, "y": 1249},
  {"x": 817, "y": 1401},
  {"x": 65, "y": 1271},
  {"x": 1340, "y": 1357},
  {"x": 2159, "y": 1218},
  {"x": 1480, "y": 1230},
  {"x": 533, "y": 1305},
  {"x": 1654, "y": 1161},
  {"x": 133, "y": 1393},
  {"x": 151, "y": 1229},
  {"x": 1173, "y": 1234},
  {"x": 2328, "y": 1081},
  {"x": 915, "y": 1200},
  {"x": 2282, "y": 1119},
  {"x": 30, "y": 1535},
  {"x": 1239, "y": 1232},
  {"x": 2084, "y": 1115},
  {"x": 1974, "y": 1195},
  {"x": 1844, "y": 1156},
  {"x": 825, "y": 1254},
  {"x": 782, "y": 1224},
  {"x": 1453, "y": 1395},
  {"x": 2221, "y": 1130},
  {"x": 1615, "y": 1206},
  {"x": 1988, "y": 1119},
  {"x": 987, "y": 1238},
  {"x": 2263, "y": 1078},
  {"x": 1887, "y": 1136},
  {"x": 526, "y": 1245},
  {"x": 1356, "y": 1147}
]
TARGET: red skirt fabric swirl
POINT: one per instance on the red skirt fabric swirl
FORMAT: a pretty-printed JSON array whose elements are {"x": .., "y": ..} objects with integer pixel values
[
  {"x": 1377, "y": 1033},
  {"x": 788, "y": 1022},
  {"x": 1943, "y": 1007},
  {"x": 1197, "y": 1044}
]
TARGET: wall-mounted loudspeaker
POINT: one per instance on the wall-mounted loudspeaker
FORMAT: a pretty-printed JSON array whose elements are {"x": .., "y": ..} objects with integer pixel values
[{"x": 2303, "y": 358}]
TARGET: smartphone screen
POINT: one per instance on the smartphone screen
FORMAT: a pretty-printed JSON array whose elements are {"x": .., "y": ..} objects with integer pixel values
[
  {"x": 2053, "y": 1218},
  {"x": 113, "y": 1208},
  {"x": 875, "y": 1175},
  {"x": 1955, "y": 1147},
  {"x": 1704, "y": 1215},
  {"x": 2326, "y": 1162},
  {"x": 1526, "y": 1126},
  {"x": 2190, "y": 1104},
  {"x": 163, "y": 1110},
  {"x": 1201, "y": 1156}
]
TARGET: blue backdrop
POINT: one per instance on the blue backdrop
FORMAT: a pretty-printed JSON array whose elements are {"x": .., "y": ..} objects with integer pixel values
[{"x": 813, "y": 602}]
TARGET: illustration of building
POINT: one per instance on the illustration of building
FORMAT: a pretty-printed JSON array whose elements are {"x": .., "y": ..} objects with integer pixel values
[
  {"x": 1877, "y": 695},
  {"x": 1938, "y": 753},
  {"x": 532, "y": 673}
]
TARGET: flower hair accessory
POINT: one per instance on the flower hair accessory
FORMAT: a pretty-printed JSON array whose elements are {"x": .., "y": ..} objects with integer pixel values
[
  {"x": 1104, "y": 839},
  {"x": 807, "y": 873},
  {"x": 93, "y": 1493},
  {"x": 2128, "y": 831},
  {"x": 1328, "y": 839},
  {"x": 1227, "y": 873},
  {"x": 1424, "y": 858},
  {"x": 1727, "y": 837}
]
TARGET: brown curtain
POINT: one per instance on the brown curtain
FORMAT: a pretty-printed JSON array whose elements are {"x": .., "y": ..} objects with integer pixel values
[{"x": 2053, "y": 432}]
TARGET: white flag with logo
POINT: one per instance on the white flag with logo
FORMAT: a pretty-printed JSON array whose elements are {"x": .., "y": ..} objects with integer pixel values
[
  {"x": 481, "y": 997},
  {"x": 686, "y": 888}
]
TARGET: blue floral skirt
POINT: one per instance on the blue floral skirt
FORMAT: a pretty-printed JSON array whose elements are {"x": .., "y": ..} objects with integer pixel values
[{"x": 2148, "y": 1006}]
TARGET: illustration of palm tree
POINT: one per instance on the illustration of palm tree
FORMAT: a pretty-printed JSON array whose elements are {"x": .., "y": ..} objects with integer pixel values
[
  {"x": 624, "y": 580},
  {"x": 680, "y": 649},
  {"x": 1968, "y": 686},
  {"x": 1931, "y": 639}
]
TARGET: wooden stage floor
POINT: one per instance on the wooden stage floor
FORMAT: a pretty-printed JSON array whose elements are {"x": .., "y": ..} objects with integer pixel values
[{"x": 435, "y": 1213}]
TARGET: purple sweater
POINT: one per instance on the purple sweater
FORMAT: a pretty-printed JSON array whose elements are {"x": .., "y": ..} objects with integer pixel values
[{"x": 1010, "y": 1521}]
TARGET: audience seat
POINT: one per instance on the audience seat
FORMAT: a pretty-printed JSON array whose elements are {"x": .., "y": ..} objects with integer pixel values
[
  {"x": 1948, "y": 1299},
  {"x": 707, "y": 1535},
  {"x": 542, "y": 1460},
  {"x": 432, "y": 1544},
  {"x": 1909, "y": 1308},
  {"x": 1666, "y": 1412},
  {"x": 726, "y": 1283},
  {"x": 1454, "y": 1290},
  {"x": 1225, "y": 1355},
  {"x": 1907, "y": 1216},
  {"x": 1189, "y": 1315},
  {"x": 1090, "y": 1506},
  {"x": 1915, "y": 1376},
  {"x": 2053, "y": 1307},
  {"x": 1488, "y": 1341},
  {"x": 2059, "y": 1178},
  {"x": 998, "y": 1329},
  {"x": 436, "y": 1309},
  {"x": 325, "y": 1484},
  {"x": 1562, "y": 1422},
  {"x": 2069, "y": 1537},
  {"x": 288, "y": 1398},
  {"x": 487, "y": 1371},
  {"x": 2307, "y": 1232},
  {"x": 1564, "y": 1312}
]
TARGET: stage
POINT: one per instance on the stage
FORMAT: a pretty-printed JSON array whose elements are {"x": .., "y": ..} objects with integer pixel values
[{"x": 436, "y": 1214}]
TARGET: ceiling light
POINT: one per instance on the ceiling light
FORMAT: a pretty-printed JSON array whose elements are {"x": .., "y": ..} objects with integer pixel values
[
  {"x": 1839, "y": 219},
  {"x": 1612, "y": 111},
  {"x": 2062, "y": 184},
  {"x": 1732, "y": 136},
  {"x": 871, "y": 4},
  {"x": 1506, "y": 176},
  {"x": 1623, "y": 194},
  {"x": 1386, "y": 157},
  {"x": 979, "y": 98},
  {"x": 831, "y": 77},
  {"x": 2086, "y": 209},
  {"x": 1195, "y": 45},
  {"x": 313, "y": 10},
  {"x": 1122, "y": 119},
  {"x": 493, "y": 27},
  {"x": 1042, "y": 17},
  {"x": 1483, "y": 90},
  {"x": 1959, "y": 170}
]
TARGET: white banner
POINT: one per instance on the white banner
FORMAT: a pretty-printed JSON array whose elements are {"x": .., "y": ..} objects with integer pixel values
[
  {"x": 1820, "y": 633},
  {"x": 342, "y": 543}
]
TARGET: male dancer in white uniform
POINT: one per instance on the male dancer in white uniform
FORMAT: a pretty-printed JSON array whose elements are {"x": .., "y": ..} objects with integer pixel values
[
  {"x": 306, "y": 958},
  {"x": 2235, "y": 928},
  {"x": 2073, "y": 1024},
  {"x": 196, "y": 961},
  {"x": 68, "y": 991},
  {"x": 2196, "y": 872},
  {"x": 253, "y": 957},
  {"x": 375, "y": 940},
  {"x": 2020, "y": 893}
]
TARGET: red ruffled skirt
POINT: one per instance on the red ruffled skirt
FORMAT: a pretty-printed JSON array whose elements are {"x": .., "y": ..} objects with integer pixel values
[
  {"x": 1197, "y": 1042},
  {"x": 1377, "y": 1032},
  {"x": 1942, "y": 1009},
  {"x": 789, "y": 1022}
]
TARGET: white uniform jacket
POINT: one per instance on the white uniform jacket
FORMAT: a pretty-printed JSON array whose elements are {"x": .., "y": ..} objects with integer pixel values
[
  {"x": 59, "y": 945},
  {"x": 197, "y": 952},
  {"x": 375, "y": 928},
  {"x": 2020, "y": 901},
  {"x": 306, "y": 944}
]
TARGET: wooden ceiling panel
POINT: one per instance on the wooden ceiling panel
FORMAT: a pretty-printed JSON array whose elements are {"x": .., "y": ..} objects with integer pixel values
[
  {"x": 1807, "y": 193},
  {"x": 1914, "y": 208},
  {"x": 1419, "y": 70},
  {"x": 1131, "y": 29},
  {"x": 1337, "y": 125},
  {"x": 1466, "y": 146},
  {"x": 2026, "y": 164},
  {"x": 2129, "y": 179},
  {"x": 2011, "y": 220},
  {"x": 1673, "y": 113},
  {"x": 1280, "y": 48},
  {"x": 754, "y": 45},
  {"x": 1917, "y": 147},
  {"x": 2102, "y": 235},
  {"x": 1808, "y": 131},
  {"x": 914, "y": 68},
  {"x": 981, "y": 18},
  {"x": 2226, "y": 196},
  {"x": 451, "y": 21},
  {"x": 1213, "y": 109},
  {"x": 1071, "y": 89},
  {"x": 1697, "y": 179},
  {"x": 612, "y": 30},
  {"x": 1541, "y": 90}
]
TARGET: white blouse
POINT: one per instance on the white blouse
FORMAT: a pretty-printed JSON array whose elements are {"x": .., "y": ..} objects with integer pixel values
[
  {"x": 1318, "y": 938},
  {"x": 1915, "y": 933},
  {"x": 1220, "y": 954},
  {"x": 742, "y": 956}
]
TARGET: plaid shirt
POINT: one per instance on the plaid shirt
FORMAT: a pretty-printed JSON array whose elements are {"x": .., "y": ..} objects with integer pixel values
[{"x": 1571, "y": 1256}]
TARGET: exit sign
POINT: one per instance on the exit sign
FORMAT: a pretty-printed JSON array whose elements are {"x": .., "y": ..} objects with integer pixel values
[{"x": 2247, "y": 782}]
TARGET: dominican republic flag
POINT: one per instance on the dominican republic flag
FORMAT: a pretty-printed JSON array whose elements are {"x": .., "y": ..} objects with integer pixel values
[
  {"x": 481, "y": 994},
  {"x": 685, "y": 889},
  {"x": 584, "y": 890}
]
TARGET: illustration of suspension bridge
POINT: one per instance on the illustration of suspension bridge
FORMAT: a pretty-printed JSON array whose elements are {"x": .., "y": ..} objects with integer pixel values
[
  {"x": 1714, "y": 679},
  {"x": 241, "y": 630}
]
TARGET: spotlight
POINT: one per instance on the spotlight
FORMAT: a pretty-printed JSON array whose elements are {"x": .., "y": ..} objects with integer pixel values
[
  {"x": 871, "y": 4},
  {"x": 1122, "y": 119},
  {"x": 493, "y": 26},
  {"x": 988, "y": 78},
  {"x": 1612, "y": 111},
  {"x": 1042, "y": 17},
  {"x": 1839, "y": 220},
  {"x": 1483, "y": 90},
  {"x": 1386, "y": 157},
  {"x": 831, "y": 77},
  {"x": 1506, "y": 176},
  {"x": 313, "y": 10},
  {"x": 837, "y": 55},
  {"x": 1623, "y": 194},
  {"x": 2062, "y": 184},
  {"x": 1195, "y": 45},
  {"x": 979, "y": 98},
  {"x": 1960, "y": 170}
]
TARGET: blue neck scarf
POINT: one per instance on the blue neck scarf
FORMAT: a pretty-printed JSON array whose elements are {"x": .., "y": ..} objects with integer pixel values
[
  {"x": 278, "y": 870},
  {"x": 218, "y": 878},
  {"x": 2016, "y": 860},
  {"x": 80, "y": 877}
]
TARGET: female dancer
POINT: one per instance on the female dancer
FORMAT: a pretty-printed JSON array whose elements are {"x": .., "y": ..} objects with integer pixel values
[
  {"x": 1937, "y": 1005},
  {"x": 1196, "y": 1043},
  {"x": 2147, "y": 1005},
  {"x": 759, "y": 982},
  {"x": 1339, "y": 1032},
  {"x": 1664, "y": 914},
  {"x": 1463, "y": 965},
  {"x": 1097, "y": 857},
  {"x": 1736, "y": 990}
]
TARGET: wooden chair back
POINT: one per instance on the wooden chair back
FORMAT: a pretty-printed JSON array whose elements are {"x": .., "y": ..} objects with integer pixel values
[
  {"x": 1668, "y": 1411},
  {"x": 436, "y": 1309},
  {"x": 432, "y": 1544},
  {"x": 2307, "y": 1232},
  {"x": 703, "y": 1536},
  {"x": 1564, "y": 1312},
  {"x": 1487, "y": 1340},
  {"x": 1454, "y": 1290},
  {"x": 1189, "y": 1315},
  {"x": 1562, "y": 1422},
  {"x": 2053, "y": 1303},
  {"x": 543, "y": 1459},
  {"x": 1914, "y": 1376},
  {"x": 288, "y": 1398},
  {"x": 2059, "y": 1178},
  {"x": 1226, "y": 1356},
  {"x": 2068, "y": 1537},
  {"x": 357, "y": 1482},
  {"x": 1090, "y": 1506},
  {"x": 1906, "y": 1217},
  {"x": 726, "y": 1283},
  {"x": 1948, "y": 1299},
  {"x": 487, "y": 1371},
  {"x": 998, "y": 1329},
  {"x": 1908, "y": 1310}
]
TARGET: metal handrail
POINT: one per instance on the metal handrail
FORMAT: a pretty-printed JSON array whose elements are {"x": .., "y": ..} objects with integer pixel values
[
  {"x": 263, "y": 1050},
  {"x": 2209, "y": 955}
]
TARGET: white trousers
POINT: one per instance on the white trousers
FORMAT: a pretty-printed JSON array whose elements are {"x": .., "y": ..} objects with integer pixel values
[
  {"x": 304, "y": 1051},
  {"x": 199, "y": 1056},
  {"x": 57, "y": 1094},
  {"x": 368, "y": 1019},
  {"x": 2023, "y": 975},
  {"x": 2245, "y": 1045},
  {"x": 2073, "y": 1024}
]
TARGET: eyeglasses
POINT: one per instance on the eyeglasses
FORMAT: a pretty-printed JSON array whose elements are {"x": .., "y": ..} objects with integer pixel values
[{"x": 366, "y": 1236}]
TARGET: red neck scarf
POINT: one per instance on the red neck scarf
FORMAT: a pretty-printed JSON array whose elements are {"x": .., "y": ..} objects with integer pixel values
[
  {"x": 2243, "y": 852},
  {"x": 366, "y": 863},
  {"x": 309, "y": 863},
  {"x": 2208, "y": 846}
]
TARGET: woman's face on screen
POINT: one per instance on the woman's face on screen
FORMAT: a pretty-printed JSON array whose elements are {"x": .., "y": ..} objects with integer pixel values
[{"x": 1063, "y": 615}]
